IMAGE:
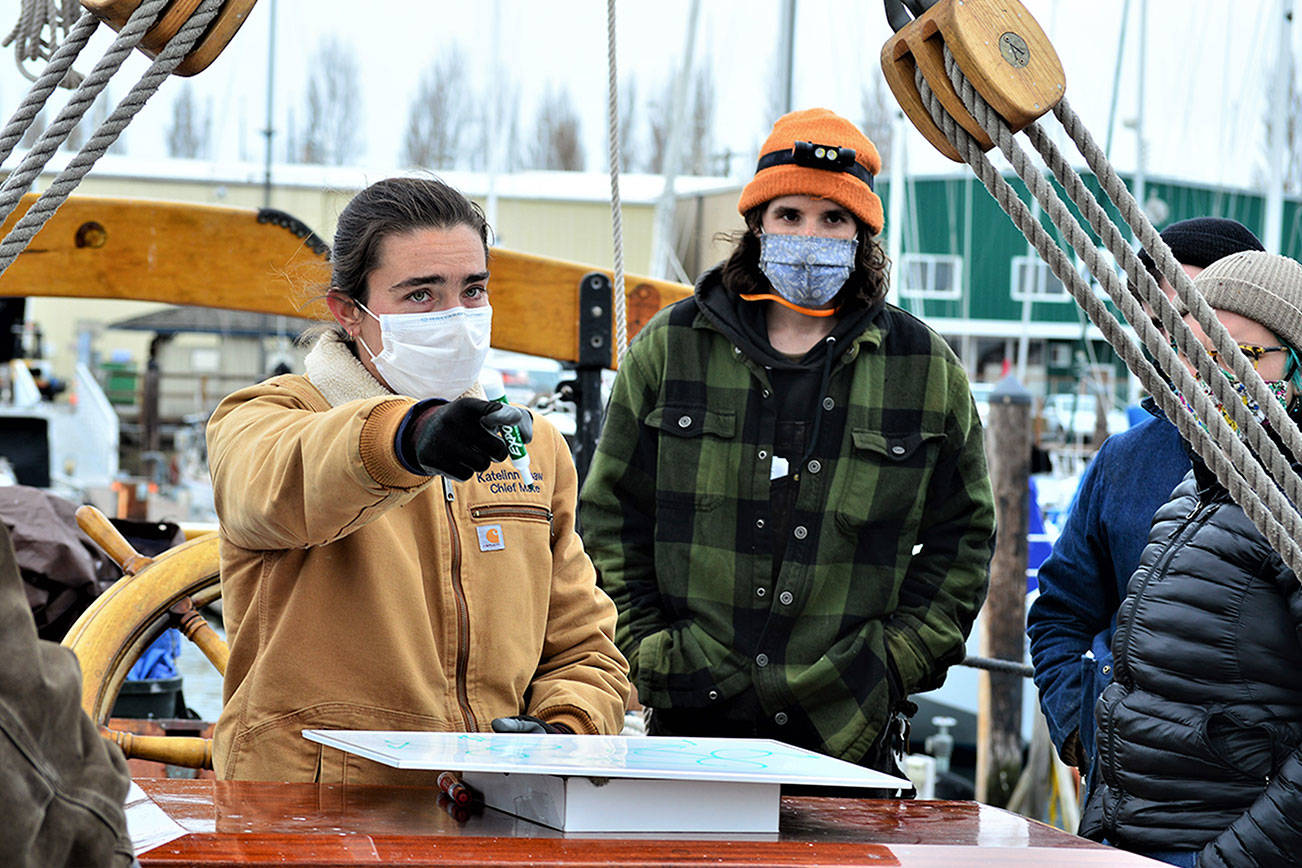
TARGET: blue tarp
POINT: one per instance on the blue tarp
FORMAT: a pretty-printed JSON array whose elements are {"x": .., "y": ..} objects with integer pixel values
[{"x": 159, "y": 659}]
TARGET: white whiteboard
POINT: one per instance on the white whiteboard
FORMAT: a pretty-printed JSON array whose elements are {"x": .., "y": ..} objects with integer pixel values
[{"x": 743, "y": 760}]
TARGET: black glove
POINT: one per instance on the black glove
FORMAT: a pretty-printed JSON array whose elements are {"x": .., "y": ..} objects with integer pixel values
[
  {"x": 460, "y": 439},
  {"x": 527, "y": 723}
]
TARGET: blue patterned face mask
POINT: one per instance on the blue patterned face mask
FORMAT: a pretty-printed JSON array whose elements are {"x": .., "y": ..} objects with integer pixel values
[{"x": 806, "y": 270}]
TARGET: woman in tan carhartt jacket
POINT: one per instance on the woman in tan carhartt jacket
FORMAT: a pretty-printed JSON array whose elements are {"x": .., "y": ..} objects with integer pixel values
[{"x": 364, "y": 585}]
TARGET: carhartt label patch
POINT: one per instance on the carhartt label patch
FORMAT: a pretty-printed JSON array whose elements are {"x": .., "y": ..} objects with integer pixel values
[{"x": 490, "y": 537}]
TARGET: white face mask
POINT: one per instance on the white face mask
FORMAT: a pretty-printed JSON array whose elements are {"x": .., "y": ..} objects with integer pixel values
[{"x": 432, "y": 355}]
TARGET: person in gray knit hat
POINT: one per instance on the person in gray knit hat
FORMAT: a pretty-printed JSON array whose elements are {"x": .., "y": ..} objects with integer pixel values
[
  {"x": 1200, "y": 732},
  {"x": 1266, "y": 289},
  {"x": 1081, "y": 585}
]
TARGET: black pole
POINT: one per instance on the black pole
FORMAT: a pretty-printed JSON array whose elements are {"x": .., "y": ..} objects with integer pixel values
[{"x": 593, "y": 358}]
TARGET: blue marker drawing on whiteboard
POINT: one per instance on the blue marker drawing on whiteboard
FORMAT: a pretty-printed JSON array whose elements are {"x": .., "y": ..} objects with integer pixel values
[{"x": 495, "y": 389}]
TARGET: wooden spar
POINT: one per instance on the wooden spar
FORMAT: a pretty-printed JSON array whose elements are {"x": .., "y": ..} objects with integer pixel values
[
  {"x": 536, "y": 303},
  {"x": 217, "y": 256}
]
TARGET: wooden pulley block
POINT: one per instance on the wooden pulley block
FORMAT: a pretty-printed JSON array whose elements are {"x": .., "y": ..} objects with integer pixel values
[
  {"x": 1000, "y": 48},
  {"x": 115, "y": 13}
]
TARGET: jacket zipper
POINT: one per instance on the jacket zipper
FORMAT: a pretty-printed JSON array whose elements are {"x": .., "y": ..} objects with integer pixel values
[
  {"x": 535, "y": 513},
  {"x": 463, "y": 613},
  {"x": 1177, "y": 539}
]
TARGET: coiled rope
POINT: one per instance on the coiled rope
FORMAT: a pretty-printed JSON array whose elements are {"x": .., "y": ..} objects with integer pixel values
[
  {"x": 37, "y": 35},
  {"x": 1238, "y": 469},
  {"x": 55, "y": 72}
]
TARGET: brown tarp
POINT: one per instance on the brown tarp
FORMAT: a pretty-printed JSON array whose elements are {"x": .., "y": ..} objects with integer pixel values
[{"x": 62, "y": 570}]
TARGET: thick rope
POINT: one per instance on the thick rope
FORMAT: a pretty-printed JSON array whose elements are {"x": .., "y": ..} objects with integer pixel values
[
  {"x": 616, "y": 210},
  {"x": 1108, "y": 279},
  {"x": 1113, "y": 332},
  {"x": 29, "y": 36},
  {"x": 54, "y": 73},
  {"x": 1193, "y": 301},
  {"x": 1281, "y": 510},
  {"x": 1264, "y": 447},
  {"x": 1268, "y": 453},
  {"x": 167, "y": 60},
  {"x": 78, "y": 103}
]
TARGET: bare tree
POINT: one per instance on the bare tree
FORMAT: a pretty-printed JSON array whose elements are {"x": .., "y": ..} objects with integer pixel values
[
  {"x": 775, "y": 100},
  {"x": 293, "y": 139},
  {"x": 662, "y": 112},
  {"x": 628, "y": 149},
  {"x": 557, "y": 138},
  {"x": 439, "y": 113},
  {"x": 695, "y": 155},
  {"x": 699, "y": 156},
  {"x": 331, "y": 133},
  {"x": 188, "y": 133},
  {"x": 878, "y": 107},
  {"x": 513, "y": 152},
  {"x": 489, "y": 129},
  {"x": 472, "y": 146}
]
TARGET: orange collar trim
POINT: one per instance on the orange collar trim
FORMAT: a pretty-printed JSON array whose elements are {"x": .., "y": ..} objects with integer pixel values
[{"x": 807, "y": 311}]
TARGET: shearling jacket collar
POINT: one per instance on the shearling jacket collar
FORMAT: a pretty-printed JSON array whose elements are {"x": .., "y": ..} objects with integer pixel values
[{"x": 338, "y": 374}]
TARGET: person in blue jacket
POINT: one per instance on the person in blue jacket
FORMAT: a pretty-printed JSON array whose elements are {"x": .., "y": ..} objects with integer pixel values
[{"x": 1083, "y": 581}]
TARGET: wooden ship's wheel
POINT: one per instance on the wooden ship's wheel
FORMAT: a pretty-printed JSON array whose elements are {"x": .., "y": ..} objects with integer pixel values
[{"x": 154, "y": 594}]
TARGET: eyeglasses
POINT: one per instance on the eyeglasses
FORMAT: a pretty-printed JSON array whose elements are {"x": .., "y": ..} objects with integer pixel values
[{"x": 1252, "y": 351}]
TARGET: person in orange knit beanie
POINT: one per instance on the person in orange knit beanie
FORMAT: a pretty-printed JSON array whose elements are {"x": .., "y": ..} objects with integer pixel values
[{"x": 789, "y": 503}]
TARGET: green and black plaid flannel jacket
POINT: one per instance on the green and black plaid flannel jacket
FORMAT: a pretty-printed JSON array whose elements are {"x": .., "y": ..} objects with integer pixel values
[{"x": 890, "y": 537}]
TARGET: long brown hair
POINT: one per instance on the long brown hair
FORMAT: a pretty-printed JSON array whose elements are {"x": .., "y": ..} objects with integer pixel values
[{"x": 865, "y": 287}]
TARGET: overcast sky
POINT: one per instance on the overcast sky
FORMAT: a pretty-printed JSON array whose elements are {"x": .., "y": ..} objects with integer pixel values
[{"x": 1208, "y": 64}]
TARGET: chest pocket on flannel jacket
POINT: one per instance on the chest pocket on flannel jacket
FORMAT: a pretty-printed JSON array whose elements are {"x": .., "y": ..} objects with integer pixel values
[
  {"x": 887, "y": 479},
  {"x": 698, "y": 455}
]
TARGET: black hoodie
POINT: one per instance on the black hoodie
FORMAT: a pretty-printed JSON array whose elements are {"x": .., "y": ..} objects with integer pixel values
[{"x": 798, "y": 384}]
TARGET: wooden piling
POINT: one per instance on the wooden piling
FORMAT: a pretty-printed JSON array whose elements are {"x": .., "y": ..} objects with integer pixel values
[{"x": 999, "y": 696}]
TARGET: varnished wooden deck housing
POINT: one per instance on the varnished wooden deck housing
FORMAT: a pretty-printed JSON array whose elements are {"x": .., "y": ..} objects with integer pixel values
[{"x": 249, "y": 823}]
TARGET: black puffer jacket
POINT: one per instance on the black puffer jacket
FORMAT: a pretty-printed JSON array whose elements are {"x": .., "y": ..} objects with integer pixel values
[{"x": 1199, "y": 732}]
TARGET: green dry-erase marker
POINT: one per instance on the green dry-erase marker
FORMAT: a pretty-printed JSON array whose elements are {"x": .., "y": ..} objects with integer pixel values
[{"x": 495, "y": 389}]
